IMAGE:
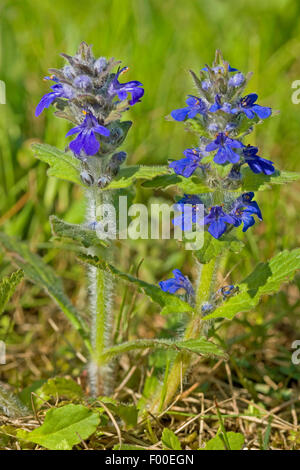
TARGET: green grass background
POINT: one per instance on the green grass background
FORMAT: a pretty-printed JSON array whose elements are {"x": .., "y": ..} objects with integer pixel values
[{"x": 160, "y": 42}]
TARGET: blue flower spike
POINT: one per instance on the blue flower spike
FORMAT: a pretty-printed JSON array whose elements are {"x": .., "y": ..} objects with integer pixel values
[{"x": 88, "y": 85}]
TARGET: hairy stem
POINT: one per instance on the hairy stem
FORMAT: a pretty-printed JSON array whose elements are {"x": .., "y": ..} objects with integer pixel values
[
  {"x": 205, "y": 287},
  {"x": 101, "y": 303}
]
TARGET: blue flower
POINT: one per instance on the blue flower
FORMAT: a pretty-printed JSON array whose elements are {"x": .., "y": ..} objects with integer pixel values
[
  {"x": 178, "y": 282},
  {"x": 247, "y": 105},
  {"x": 217, "y": 220},
  {"x": 122, "y": 89},
  {"x": 86, "y": 140},
  {"x": 226, "y": 107},
  {"x": 244, "y": 209},
  {"x": 246, "y": 198},
  {"x": 225, "y": 147},
  {"x": 58, "y": 91},
  {"x": 257, "y": 163},
  {"x": 187, "y": 166},
  {"x": 194, "y": 106},
  {"x": 189, "y": 215}
]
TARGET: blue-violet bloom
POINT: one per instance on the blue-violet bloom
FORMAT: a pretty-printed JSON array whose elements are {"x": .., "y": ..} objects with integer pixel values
[
  {"x": 217, "y": 220},
  {"x": 257, "y": 163},
  {"x": 226, "y": 107},
  {"x": 58, "y": 91},
  {"x": 86, "y": 140},
  {"x": 225, "y": 146},
  {"x": 122, "y": 89},
  {"x": 178, "y": 282},
  {"x": 194, "y": 106},
  {"x": 247, "y": 105},
  {"x": 244, "y": 209},
  {"x": 187, "y": 166}
]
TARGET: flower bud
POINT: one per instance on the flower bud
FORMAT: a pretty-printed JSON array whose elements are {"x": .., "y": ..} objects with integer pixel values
[
  {"x": 236, "y": 80},
  {"x": 68, "y": 72},
  {"x": 103, "y": 181},
  {"x": 115, "y": 162},
  {"x": 83, "y": 82},
  {"x": 100, "y": 64},
  {"x": 86, "y": 178}
]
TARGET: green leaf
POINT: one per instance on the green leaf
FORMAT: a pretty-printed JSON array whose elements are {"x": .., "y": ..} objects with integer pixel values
[
  {"x": 59, "y": 387},
  {"x": 170, "y": 303},
  {"x": 200, "y": 346},
  {"x": 212, "y": 247},
  {"x": 128, "y": 413},
  {"x": 7, "y": 287},
  {"x": 192, "y": 185},
  {"x": 265, "y": 279},
  {"x": 78, "y": 233},
  {"x": 44, "y": 276},
  {"x": 259, "y": 182},
  {"x": 235, "y": 439},
  {"x": 128, "y": 175},
  {"x": 27, "y": 393},
  {"x": 64, "y": 427},
  {"x": 170, "y": 440},
  {"x": 62, "y": 165}
]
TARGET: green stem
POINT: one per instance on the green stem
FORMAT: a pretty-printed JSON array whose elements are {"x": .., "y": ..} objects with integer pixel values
[
  {"x": 101, "y": 302},
  {"x": 205, "y": 288}
]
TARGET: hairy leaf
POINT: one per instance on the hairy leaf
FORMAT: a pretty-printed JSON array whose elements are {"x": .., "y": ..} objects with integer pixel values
[
  {"x": 44, "y": 276},
  {"x": 192, "y": 185},
  {"x": 62, "y": 165},
  {"x": 259, "y": 182},
  {"x": 212, "y": 247},
  {"x": 7, "y": 287},
  {"x": 78, "y": 233},
  {"x": 200, "y": 346},
  {"x": 128, "y": 175},
  {"x": 170, "y": 303},
  {"x": 265, "y": 279}
]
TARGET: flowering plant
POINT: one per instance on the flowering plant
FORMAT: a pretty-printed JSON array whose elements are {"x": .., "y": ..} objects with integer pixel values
[{"x": 220, "y": 174}]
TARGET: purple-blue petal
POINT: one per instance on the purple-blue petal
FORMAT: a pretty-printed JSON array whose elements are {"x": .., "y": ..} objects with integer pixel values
[
  {"x": 262, "y": 112},
  {"x": 101, "y": 130},
  {"x": 217, "y": 228},
  {"x": 180, "y": 114}
]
